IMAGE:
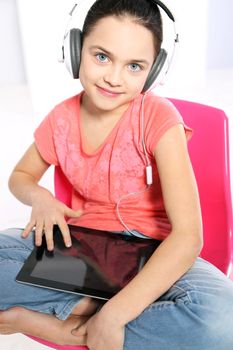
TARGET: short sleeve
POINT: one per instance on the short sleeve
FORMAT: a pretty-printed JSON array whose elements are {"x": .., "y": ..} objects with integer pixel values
[
  {"x": 44, "y": 139},
  {"x": 160, "y": 116}
]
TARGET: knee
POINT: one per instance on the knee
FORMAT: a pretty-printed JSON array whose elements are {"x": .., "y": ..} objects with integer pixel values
[
  {"x": 215, "y": 328},
  {"x": 218, "y": 336},
  {"x": 12, "y": 239}
]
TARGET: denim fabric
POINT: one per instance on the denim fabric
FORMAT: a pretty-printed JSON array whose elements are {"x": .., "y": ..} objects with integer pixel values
[{"x": 195, "y": 313}]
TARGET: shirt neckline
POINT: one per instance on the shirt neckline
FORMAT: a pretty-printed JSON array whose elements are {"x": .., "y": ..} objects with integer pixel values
[{"x": 109, "y": 136}]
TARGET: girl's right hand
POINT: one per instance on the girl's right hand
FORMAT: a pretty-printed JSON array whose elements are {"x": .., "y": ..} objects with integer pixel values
[{"x": 47, "y": 211}]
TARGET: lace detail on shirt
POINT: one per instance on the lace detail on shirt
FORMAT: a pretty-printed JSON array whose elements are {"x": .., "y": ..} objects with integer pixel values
[{"x": 116, "y": 170}]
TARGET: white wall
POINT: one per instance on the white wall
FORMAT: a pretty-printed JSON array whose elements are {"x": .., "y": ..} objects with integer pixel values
[
  {"x": 188, "y": 69},
  {"x": 11, "y": 59},
  {"x": 220, "y": 29}
]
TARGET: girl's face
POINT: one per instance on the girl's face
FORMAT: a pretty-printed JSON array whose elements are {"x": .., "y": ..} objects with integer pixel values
[{"x": 116, "y": 59}]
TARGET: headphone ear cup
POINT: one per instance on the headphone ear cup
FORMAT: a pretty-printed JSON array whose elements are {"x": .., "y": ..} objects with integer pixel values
[
  {"x": 72, "y": 51},
  {"x": 155, "y": 69}
]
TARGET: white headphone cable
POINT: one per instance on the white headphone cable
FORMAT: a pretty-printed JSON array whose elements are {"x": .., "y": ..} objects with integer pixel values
[
  {"x": 149, "y": 178},
  {"x": 118, "y": 207}
]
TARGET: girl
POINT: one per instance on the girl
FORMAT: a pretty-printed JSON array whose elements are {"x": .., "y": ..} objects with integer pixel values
[{"x": 177, "y": 301}]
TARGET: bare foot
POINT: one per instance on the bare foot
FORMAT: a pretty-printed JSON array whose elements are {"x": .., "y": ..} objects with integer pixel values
[{"x": 47, "y": 327}]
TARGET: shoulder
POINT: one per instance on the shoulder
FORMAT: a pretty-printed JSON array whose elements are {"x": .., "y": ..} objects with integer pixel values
[
  {"x": 63, "y": 115},
  {"x": 160, "y": 115},
  {"x": 160, "y": 107},
  {"x": 65, "y": 111},
  {"x": 68, "y": 105}
]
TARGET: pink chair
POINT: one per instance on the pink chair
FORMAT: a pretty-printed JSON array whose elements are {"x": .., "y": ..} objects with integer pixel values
[{"x": 209, "y": 152}]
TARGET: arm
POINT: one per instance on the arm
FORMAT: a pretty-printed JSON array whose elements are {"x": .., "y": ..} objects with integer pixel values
[
  {"x": 46, "y": 210},
  {"x": 23, "y": 182},
  {"x": 178, "y": 251}
]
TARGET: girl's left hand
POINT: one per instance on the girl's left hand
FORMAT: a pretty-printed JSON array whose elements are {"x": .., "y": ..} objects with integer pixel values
[{"x": 102, "y": 333}]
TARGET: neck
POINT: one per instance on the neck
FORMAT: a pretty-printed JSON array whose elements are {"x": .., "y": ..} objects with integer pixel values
[{"x": 100, "y": 114}]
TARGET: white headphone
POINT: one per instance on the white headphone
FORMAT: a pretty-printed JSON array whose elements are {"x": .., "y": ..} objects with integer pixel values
[{"x": 72, "y": 46}]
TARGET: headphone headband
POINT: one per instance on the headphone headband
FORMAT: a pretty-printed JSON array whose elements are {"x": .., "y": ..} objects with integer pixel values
[{"x": 164, "y": 7}]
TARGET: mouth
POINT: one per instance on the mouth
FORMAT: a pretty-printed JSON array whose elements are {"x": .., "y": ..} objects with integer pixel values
[{"x": 107, "y": 92}]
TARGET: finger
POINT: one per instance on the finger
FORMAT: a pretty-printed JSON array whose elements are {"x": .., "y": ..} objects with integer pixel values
[
  {"x": 48, "y": 229},
  {"x": 28, "y": 229},
  {"x": 39, "y": 233},
  {"x": 72, "y": 213},
  {"x": 65, "y": 233}
]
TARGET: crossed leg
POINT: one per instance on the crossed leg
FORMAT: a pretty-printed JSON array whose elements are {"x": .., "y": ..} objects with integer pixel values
[{"x": 48, "y": 327}]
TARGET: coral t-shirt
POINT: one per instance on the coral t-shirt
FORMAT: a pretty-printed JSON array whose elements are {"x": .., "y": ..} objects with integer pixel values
[{"x": 104, "y": 179}]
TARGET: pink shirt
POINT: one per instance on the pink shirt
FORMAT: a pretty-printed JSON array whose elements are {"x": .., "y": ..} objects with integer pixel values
[{"x": 117, "y": 168}]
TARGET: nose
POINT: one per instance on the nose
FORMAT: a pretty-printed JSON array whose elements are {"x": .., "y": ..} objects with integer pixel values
[{"x": 113, "y": 76}]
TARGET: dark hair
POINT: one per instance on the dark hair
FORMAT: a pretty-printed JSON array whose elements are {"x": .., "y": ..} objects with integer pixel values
[{"x": 144, "y": 12}]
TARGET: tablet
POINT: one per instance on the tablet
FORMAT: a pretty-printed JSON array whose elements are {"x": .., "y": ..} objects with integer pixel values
[{"x": 98, "y": 264}]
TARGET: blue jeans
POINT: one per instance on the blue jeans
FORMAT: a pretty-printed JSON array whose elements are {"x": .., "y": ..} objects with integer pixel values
[{"x": 195, "y": 313}]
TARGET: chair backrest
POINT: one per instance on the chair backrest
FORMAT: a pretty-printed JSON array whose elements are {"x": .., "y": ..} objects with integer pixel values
[{"x": 209, "y": 153}]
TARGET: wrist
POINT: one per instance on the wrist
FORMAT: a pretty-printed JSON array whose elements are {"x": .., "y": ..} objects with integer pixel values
[
  {"x": 39, "y": 193},
  {"x": 113, "y": 314}
]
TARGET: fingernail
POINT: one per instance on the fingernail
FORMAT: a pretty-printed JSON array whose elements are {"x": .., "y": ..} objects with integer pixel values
[{"x": 68, "y": 245}]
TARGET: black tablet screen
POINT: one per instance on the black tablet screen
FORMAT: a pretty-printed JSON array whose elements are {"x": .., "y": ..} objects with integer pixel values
[{"x": 98, "y": 264}]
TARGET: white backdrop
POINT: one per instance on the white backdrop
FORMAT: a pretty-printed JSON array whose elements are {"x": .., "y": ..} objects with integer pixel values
[{"x": 11, "y": 59}]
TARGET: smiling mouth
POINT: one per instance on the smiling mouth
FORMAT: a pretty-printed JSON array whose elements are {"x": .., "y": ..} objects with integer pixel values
[{"x": 108, "y": 92}]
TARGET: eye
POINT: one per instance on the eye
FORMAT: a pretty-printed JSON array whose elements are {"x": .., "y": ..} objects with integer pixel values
[
  {"x": 134, "y": 67},
  {"x": 101, "y": 57}
]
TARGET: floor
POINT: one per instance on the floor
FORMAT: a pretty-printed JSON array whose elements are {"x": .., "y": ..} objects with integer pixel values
[{"x": 16, "y": 135}]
